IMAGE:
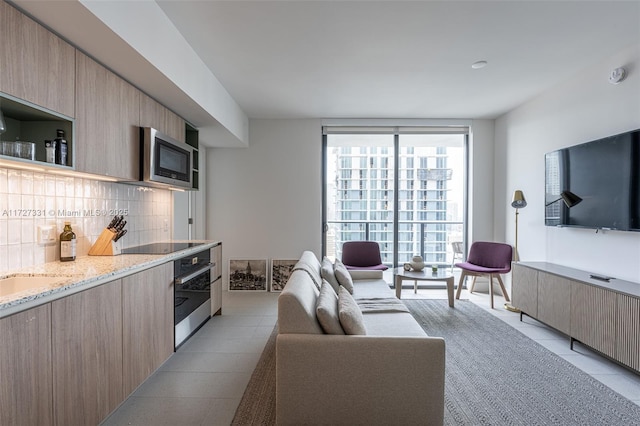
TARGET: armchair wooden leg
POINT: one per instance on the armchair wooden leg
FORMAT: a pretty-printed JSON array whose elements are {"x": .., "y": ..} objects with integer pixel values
[
  {"x": 460, "y": 282},
  {"x": 473, "y": 284},
  {"x": 504, "y": 290},
  {"x": 491, "y": 289}
]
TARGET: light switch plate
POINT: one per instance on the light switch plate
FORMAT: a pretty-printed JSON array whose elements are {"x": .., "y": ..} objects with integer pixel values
[{"x": 46, "y": 234}]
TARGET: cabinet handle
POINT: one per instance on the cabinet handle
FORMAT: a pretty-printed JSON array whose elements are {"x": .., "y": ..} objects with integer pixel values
[{"x": 185, "y": 278}]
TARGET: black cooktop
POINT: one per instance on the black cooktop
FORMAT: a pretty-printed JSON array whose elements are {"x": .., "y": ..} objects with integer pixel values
[{"x": 159, "y": 248}]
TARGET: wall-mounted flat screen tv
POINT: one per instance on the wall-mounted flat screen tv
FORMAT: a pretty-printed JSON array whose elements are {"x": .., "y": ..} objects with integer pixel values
[{"x": 599, "y": 179}]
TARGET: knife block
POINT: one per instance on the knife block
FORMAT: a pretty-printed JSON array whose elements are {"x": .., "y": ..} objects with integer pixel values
[{"x": 105, "y": 246}]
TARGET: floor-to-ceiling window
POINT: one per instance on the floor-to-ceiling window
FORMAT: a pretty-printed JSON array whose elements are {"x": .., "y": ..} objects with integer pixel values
[{"x": 401, "y": 187}]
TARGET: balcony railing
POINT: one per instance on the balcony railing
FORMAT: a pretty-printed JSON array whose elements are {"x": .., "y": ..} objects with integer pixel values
[{"x": 429, "y": 239}]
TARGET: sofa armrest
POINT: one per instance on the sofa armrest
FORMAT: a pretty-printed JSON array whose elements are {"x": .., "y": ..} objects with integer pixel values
[
  {"x": 329, "y": 379},
  {"x": 361, "y": 274}
]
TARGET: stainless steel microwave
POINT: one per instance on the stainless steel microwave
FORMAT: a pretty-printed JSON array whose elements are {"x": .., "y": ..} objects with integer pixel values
[{"x": 164, "y": 160}]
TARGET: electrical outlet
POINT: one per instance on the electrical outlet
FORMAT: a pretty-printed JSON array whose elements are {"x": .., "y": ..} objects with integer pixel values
[{"x": 46, "y": 234}]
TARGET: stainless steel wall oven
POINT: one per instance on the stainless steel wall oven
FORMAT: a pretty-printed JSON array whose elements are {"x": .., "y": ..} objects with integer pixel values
[{"x": 192, "y": 294}]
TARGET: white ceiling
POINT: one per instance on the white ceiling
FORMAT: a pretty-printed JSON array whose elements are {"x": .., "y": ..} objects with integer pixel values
[
  {"x": 364, "y": 59},
  {"x": 391, "y": 59}
]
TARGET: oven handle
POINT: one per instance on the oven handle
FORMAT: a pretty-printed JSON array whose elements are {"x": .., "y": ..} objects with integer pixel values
[{"x": 183, "y": 279}]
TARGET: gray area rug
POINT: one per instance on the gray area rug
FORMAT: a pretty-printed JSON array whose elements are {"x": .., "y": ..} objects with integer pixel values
[
  {"x": 494, "y": 376},
  {"x": 258, "y": 403}
]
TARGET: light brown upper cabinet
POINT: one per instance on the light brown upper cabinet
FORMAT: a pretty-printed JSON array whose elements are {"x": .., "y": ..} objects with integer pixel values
[
  {"x": 35, "y": 64},
  {"x": 154, "y": 114},
  {"x": 108, "y": 113}
]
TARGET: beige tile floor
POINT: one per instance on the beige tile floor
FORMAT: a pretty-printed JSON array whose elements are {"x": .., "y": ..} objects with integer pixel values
[{"x": 202, "y": 383}]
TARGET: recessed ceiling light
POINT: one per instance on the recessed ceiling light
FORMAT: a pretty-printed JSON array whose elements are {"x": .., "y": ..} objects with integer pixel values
[{"x": 478, "y": 65}]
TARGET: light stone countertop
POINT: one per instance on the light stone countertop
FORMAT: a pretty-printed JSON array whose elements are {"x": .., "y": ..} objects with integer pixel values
[{"x": 84, "y": 273}]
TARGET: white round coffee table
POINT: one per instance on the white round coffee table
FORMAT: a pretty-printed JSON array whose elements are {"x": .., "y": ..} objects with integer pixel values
[{"x": 425, "y": 275}]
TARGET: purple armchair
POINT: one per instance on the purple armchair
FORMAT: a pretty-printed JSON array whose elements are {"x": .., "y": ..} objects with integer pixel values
[
  {"x": 362, "y": 255},
  {"x": 489, "y": 260}
]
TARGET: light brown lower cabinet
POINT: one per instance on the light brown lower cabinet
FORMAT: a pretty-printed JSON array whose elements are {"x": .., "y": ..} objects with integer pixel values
[
  {"x": 628, "y": 331},
  {"x": 554, "y": 300},
  {"x": 74, "y": 360},
  {"x": 603, "y": 315},
  {"x": 25, "y": 368},
  {"x": 216, "y": 278},
  {"x": 593, "y": 317},
  {"x": 147, "y": 309},
  {"x": 87, "y": 355},
  {"x": 524, "y": 289}
]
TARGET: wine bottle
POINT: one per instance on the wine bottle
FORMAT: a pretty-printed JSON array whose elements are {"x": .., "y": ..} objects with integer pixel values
[
  {"x": 67, "y": 244},
  {"x": 61, "y": 148}
]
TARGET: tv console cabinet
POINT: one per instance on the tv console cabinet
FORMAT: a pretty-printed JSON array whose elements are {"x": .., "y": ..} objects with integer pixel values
[{"x": 602, "y": 314}]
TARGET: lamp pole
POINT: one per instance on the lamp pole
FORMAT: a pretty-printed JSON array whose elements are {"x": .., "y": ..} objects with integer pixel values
[
  {"x": 515, "y": 257},
  {"x": 518, "y": 202}
]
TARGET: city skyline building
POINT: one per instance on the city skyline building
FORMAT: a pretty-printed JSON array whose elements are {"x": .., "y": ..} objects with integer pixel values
[{"x": 360, "y": 197}]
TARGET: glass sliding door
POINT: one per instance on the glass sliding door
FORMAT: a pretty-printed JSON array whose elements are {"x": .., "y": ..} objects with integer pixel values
[
  {"x": 431, "y": 207},
  {"x": 402, "y": 187},
  {"x": 359, "y": 194}
]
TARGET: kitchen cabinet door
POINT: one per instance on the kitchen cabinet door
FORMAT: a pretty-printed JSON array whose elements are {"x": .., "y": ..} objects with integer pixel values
[
  {"x": 25, "y": 368},
  {"x": 35, "y": 64},
  {"x": 108, "y": 113},
  {"x": 154, "y": 114},
  {"x": 87, "y": 354},
  {"x": 216, "y": 278},
  {"x": 147, "y": 307}
]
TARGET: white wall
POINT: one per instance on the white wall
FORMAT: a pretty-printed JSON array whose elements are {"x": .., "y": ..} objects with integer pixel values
[
  {"x": 265, "y": 201},
  {"x": 31, "y": 199},
  {"x": 481, "y": 187},
  {"x": 192, "y": 204},
  {"x": 585, "y": 108}
]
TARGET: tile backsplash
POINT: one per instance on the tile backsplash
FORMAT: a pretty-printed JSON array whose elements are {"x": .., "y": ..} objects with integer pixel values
[{"x": 29, "y": 199}]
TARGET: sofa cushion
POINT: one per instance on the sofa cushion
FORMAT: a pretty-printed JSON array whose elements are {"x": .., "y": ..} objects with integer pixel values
[
  {"x": 397, "y": 324},
  {"x": 327, "y": 310},
  {"x": 328, "y": 274},
  {"x": 309, "y": 263},
  {"x": 343, "y": 276},
  {"x": 351, "y": 318},
  {"x": 368, "y": 289},
  {"x": 297, "y": 305}
]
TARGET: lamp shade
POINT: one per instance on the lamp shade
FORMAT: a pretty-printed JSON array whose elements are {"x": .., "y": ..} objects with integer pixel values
[
  {"x": 518, "y": 201},
  {"x": 569, "y": 198}
]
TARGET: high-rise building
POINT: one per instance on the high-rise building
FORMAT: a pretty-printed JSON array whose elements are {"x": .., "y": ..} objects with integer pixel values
[{"x": 361, "y": 194}]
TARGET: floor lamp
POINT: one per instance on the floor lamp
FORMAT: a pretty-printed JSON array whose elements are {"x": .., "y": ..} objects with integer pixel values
[{"x": 518, "y": 202}]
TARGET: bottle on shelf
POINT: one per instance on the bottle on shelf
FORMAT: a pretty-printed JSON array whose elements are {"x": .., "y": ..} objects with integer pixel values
[
  {"x": 61, "y": 148},
  {"x": 50, "y": 148},
  {"x": 67, "y": 244}
]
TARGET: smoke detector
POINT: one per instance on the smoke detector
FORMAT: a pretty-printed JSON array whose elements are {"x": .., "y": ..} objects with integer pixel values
[{"x": 617, "y": 75}]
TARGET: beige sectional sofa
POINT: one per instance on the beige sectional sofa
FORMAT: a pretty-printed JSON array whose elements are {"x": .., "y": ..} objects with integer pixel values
[{"x": 392, "y": 375}]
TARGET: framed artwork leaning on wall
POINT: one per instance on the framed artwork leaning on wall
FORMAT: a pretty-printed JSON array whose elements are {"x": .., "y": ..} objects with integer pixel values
[
  {"x": 248, "y": 275},
  {"x": 280, "y": 272}
]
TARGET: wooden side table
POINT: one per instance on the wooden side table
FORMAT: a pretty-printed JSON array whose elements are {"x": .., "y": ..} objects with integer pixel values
[{"x": 425, "y": 275}]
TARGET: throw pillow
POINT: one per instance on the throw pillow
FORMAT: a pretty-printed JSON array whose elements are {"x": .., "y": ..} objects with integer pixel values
[
  {"x": 351, "y": 318},
  {"x": 343, "y": 276},
  {"x": 327, "y": 310},
  {"x": 327, "y": 274}
]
